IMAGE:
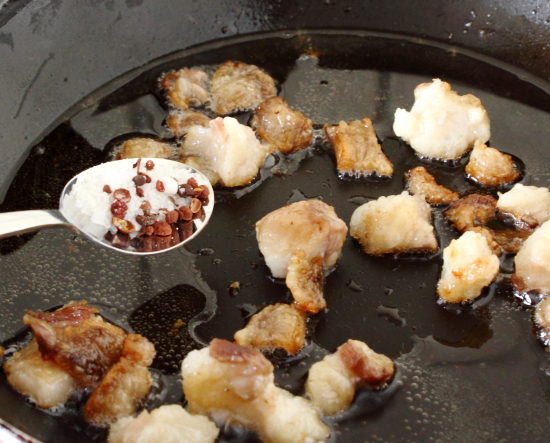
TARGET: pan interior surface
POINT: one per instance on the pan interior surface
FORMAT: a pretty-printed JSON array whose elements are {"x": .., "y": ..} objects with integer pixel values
[{"x": 477, "y": 373}]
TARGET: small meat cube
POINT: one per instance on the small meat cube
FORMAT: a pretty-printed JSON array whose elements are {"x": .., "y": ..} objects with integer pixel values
[
  {"x": 358, "y": 153},
  {"x": 228, "y": 148},
  {"x": 143, "y": 148},
  {"x": 305, "y": 279},
  {"x": 394, "y": 224},
  {"x": 542, "y": 319},
  {"x": 78, "y": 341},
  {"x": 533, "y": 262},
  {"x": 510, "y": 240},
  {"x": 124, "y": 386},
  {"x": 528, "y": 205},
  {"x": 420, "y": 181},
  {"x": 332, "y": 382},
  {"x": 44, "y": 382},
  {"x": 186, "y": 87},
  {"x": 279, "y": 326},
  {"x": 441, "y": 123},
  {"x": 310, "y": 225},
  {"x": 240, "y": 87},
  {"x": 285, "y": 130},
  {"x": 235, "y": 384},
  {"x": 179, "y": 122},
  {"x": 473, "y": 210},
  {"x": 167, "y": 424},
  {"x": 490, "y": 167},
  {"x": 468, "y": 266}
]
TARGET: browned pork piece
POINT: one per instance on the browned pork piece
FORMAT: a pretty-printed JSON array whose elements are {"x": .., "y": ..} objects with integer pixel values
[
  {"x": 332, "y": 382},
  {"x": 394, "y": 224},
  {"x": 43, "y": 381},
  {"x": 239, "y": 87},
  {"x": 468, "y": 266},
  {"x": 124, "y": 386},
  {"x": 533, "y": 262},
  {"x": 285, "y": 130},
  {"x": 278, "y": 326},
  {"x": 180, "y": 121},
  {"x": 77, "y": 340},
  {"x": 305, "y": 279},
  {"x": 143, "y": 148},
  {"x": 490, "y": 167},
  {"x": 310, "y": 225},
  {"x": 529, "y": 206},
  {"x": 235, "y": 384},
  {"x": 225, "y": 149},
  {"x": 186, "y": 87},
  {"x": 357, "y": 150},
  {"x": 167, "y": 424},
  {"x": 473, "y": 210},
  {"x": 420, "y": 181}
]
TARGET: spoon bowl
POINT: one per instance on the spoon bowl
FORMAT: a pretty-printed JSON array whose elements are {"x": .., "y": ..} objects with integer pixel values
[{"x": 86, "y": 207}]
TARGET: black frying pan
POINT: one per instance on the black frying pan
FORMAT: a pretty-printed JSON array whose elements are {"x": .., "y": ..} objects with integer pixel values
[{"x": 477, "y": 375}]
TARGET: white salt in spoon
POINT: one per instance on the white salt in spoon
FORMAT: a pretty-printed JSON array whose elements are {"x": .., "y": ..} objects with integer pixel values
[{"x": 71, "y": 216}]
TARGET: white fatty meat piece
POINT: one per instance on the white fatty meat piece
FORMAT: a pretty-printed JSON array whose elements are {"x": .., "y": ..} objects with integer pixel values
[
  {"x": 468, "y": 266},
  {"x": 394, "y": 224},
  {"x": 490, "y": 167},
  {"x": 533, "y": 262},
  {"x": 228, "y": 148},
  {"x": 442, "y": 124},
  {"x": 44, "y": 382},
  {"x": 234, "y": 384},
  {"x": 167, "y": 424},
  {"x": 529, "y": 205},
  {"x": 310, "y": 225},
  {"x": 332, "y": 382},
  {"x": 186, "y": 87}
]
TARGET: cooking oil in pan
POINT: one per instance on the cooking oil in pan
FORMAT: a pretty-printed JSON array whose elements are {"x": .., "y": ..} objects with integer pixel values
[{"x": 474, "y": 373}]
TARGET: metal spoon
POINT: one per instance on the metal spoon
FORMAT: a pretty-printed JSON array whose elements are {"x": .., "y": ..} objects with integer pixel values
[{"x": 20, "y": 222}]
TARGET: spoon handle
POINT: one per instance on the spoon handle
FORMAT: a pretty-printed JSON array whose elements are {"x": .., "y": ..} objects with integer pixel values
[{"x": 20, "y": 222}]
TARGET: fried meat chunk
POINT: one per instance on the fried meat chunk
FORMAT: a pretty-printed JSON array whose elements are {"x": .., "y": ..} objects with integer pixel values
[
  {"x": 394, "y": 224},
  {"x": 186, "y": 87},
  {"x": 420, "y": 181},
  {"x": 166, "y": 424},
  {"x": 542, "y": 319},
  {"x": 143, "y": 148},
  {"x": 358, "y": 153},
  {"x": 43, "y": 381},
  {"x": 278, "y": 326},
  {"x": 125, "y": 384},
  {"x": 310, "y": 225},
  {"x": 77, "y": 340},
  {"x": 332, "y": 382},
  {"x": 468, "y": 266},
  {"x": 533, "y": 262},
  {"x": 239, "y": 87},
  {"x": 441, "y": 123},
  {"x": 287, "y": 131},
  {"x": 305, "y": 279},
  {"x": 473, "y": 210},
  {"x": 529, "y": 206},
  {"x": 231, "y": 383},
  {"x": 180, "y": 121},
  {"x": 490, "y": 167},
  {"x": 229, "y": 149}
]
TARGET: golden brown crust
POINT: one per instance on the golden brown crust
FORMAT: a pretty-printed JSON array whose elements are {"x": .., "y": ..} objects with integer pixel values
[
  {"x": 186, "y": 87},
  {"x": 306, "y": 280},
  {"x": 286, "y": 130},
  {"x": 79, "y": 342},
  {"x": 420, "y": 181},
  {"x": 278, "y": 326},
  {"x": 143, "y": 148},
  {"x": 227, "y": 352},
  {"x": 357, "y": 150},
  {"x": 491, "y": 167},
  {"x": 180, "y": 122},
  {"x": 473, "y": 210}
]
